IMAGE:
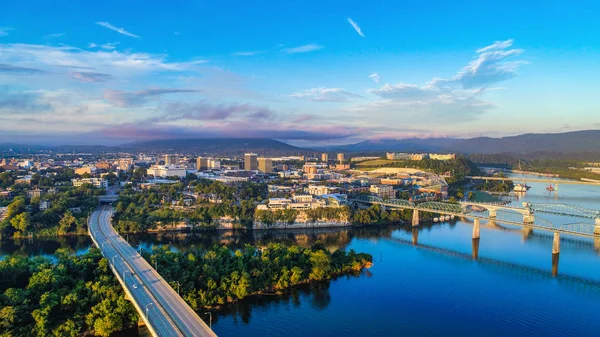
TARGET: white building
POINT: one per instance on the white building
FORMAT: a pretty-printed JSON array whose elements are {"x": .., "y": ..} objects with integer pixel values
[
  {"x": 96, "y": 182},
  {"x": 164, "y": 171},
  {"x": 383, "y": 191}
]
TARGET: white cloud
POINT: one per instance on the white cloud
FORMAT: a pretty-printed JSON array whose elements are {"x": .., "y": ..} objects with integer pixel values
[
  {"x": 302, "y": 49},
  {"x": 92, "y": 45},
  {"x": 454, "y": 99},
  {"x": 136, "y": 98},
  {"x": 117, "y": 29},
  {"x": 4, "y": 31},
  {"x": 56, "y": 35},
  {"x": 325, "y": 95},
  {"x": 110, "y": 45},
  {"x": 374, "y": 77},
  {"x": 246, "y": 53},
  {"x": 123, "y": 63},
  {"x": 356, "y": 27}
]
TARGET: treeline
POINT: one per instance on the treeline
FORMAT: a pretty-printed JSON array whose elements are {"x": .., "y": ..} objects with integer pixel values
[
  {"x": 139, "y": 211},
  {"x": 68, "y": 296},
  {"x": 269, "y": 217},
  {"x": 64, "y": 212},
  {"x": 218, "y": 276},
  {"x": 565, "y": 168}
]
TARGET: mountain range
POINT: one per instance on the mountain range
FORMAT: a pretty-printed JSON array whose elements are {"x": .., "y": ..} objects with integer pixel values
[{"x": 569, "y": 142}]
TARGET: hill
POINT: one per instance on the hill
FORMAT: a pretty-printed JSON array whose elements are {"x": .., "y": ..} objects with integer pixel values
[
  {"x": 568, "y": 142},
  {"x": 215, "y": 145}
]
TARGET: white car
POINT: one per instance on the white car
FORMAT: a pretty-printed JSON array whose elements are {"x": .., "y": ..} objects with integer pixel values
[{"x": 135, "y": 286}]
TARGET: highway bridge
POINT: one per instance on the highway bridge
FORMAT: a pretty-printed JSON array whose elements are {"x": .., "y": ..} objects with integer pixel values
[{"x": 160, "y": 307}]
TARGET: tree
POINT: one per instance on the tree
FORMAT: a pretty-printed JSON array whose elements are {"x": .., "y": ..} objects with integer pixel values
[
  {"x": 21, "y": 222},
  {"x": 321, "y": 265},
  {"x": 65, "y": 223}
]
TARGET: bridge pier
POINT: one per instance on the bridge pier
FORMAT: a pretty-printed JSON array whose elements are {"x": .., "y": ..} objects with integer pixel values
[
  {"x": 527, "y": 231},
  {"x": 415, "y": 236},
  {"x": 528, "y": 218},
  {"x": 556, "y": 244},
  {"x": 415, "y": 218},
  {"x": 492, "y": 213},
  {"x": 476, "y": 228},
  {"x": 597, "y": 228},
  {"x": 475, "y": 246},
  {"x": 555, "y": 264}
]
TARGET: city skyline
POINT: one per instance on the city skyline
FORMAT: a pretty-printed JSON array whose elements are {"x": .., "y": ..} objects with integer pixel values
[{"x": 90, "y": 74}]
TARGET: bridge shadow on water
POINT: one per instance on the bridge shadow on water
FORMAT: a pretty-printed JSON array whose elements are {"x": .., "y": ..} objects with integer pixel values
[{"x": 527, "y": 273}]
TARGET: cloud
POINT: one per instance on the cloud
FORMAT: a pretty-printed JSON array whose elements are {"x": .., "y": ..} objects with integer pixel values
[
  {"x": 110, "y": 45},
  {"x": 454, "y": 99},
  {"x": 130, "y": 99},
  {"x": 374, "y": 77},
  {"x": 117, "y": 29},
  {"x": 7, "y": 68},
  {"x": 325, "y": 95},
  {"x": 4, "y": 31},
  {"x": 302, "y": 49},
  {"x": 205, "y": 111},
  {"x": 490, "y": 66},
  {"x": 92, "y": 45},
  {"x": 56, "y": 35},
  {"x": 356, "y": 27},
  {"x": 22, "y": 102},
  {"x": 90, "y": 77},
  {"x": 246, "y": 53},
  {"x": 125, "y": 63}
]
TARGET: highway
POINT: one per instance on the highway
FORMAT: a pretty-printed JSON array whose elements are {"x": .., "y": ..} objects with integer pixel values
[
  {"x": 167, "y": 313},
  {"x": 536, "y": 180}
]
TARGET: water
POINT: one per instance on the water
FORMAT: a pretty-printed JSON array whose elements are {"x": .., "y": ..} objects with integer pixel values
[{"x": 433, "y": 288}]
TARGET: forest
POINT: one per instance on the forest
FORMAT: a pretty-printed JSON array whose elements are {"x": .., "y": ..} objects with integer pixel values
[
  {"x": 218, "y": 276},
  {"x": 66, "y": 295}
]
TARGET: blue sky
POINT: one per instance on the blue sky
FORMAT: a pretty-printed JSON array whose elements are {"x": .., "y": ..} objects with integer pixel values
[{"x": 307, "y": 72}]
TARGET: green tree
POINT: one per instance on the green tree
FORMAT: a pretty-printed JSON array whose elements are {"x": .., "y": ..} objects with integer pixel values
[
  {"x": 65, "y": 223},
  {"x": 21, "y": 222}
]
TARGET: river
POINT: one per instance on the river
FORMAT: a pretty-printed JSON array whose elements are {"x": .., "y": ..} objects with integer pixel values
[{"x": 433, "y": 288}]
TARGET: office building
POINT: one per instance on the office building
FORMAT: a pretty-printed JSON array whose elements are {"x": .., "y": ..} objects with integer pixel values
[
  {"x": 202, "y": 163},
  {"x": 125, "y": 164},
  {"x": 171, "y": 159},
  {"x": 214, "y": 164},
  {"x": 250, "y": 162},
  {"x": 167, "y": 171},
  {"x": 340, "y": 157},
  {"x": 324, "y": 157},
  {"x": 96, "y": 182},
  {"x": 265, "y": 165},
  {"x": 383, "y": 191}
]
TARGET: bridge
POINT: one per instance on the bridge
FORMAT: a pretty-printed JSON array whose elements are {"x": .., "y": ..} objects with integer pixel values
[
  {"x": 163, "y": 311},
  {"x": 537, "y": 180},
  {"x": 465, "y": 209}
]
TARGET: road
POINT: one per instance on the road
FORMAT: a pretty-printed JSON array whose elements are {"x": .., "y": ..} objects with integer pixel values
[{"x": 168, "y": 314}]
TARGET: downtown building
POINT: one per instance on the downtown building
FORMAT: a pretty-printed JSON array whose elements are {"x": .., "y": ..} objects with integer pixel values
[
  {"x": 250, "y": 162},
  {"x": 265, "y": 165}
]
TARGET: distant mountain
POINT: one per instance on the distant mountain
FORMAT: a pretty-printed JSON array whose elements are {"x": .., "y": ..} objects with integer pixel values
[
  {"x": 215, "y": 145},
  {"x": 576, "y": 141}
]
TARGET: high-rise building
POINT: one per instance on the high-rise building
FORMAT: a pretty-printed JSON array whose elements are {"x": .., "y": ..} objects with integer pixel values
[
  {"x": 214, "y": 164},
  {"x": 171, "y": 159},
  {"x": 202, "y": 163},
  {"x": 250, "y": 162},
  {"x": 340, "y": 157},
  {"x": 325, "y": 157},
  {"x": 265, "y": 165},
  {"x": 125, "y": 164}
]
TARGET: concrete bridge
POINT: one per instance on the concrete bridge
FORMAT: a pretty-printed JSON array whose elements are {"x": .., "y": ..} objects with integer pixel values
[
  {"x": 163, "y": 311},
  {"x": 466, "y": 210}
]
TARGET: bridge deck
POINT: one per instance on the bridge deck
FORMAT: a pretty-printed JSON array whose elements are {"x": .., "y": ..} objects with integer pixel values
[{"x": 168, "y": 314}]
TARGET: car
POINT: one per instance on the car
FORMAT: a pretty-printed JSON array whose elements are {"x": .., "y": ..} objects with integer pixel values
[{"x": 135, "y": 286}]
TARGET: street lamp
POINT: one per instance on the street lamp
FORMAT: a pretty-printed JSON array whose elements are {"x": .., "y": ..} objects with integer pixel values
[
  {"x": 210, "y": 319},
  {"x": 147, "y": 309},
  {"x": 124, "y": 274},
  {"x": 114, "y": 261}
]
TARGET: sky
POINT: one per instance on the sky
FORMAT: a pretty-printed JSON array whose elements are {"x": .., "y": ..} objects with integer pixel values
[{"x": 305, "y": 72}]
